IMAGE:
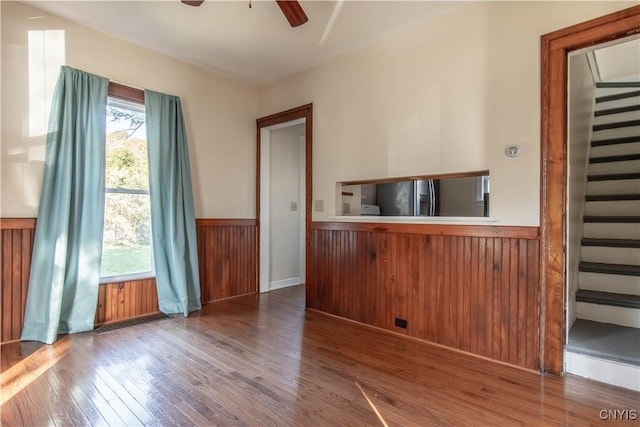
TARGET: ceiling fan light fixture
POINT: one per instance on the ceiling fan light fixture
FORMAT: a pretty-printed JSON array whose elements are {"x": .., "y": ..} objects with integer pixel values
[{"x": 290, "y": 8}]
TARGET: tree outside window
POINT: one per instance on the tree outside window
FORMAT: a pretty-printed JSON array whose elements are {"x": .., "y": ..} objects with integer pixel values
[{"x": 127, "y": 216}]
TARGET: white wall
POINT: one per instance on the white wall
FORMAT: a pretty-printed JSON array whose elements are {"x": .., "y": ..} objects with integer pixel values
[
  {"x": 619, "y": 62},
  {"x": 580, "y": 117},
  {"x": 284, "y": 188},
  {"x": 219, "y": 113},
  {"x": 444, "y": 96}
]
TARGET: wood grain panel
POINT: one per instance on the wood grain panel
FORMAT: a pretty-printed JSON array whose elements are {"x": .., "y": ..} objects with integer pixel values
[
  {"x": 227, "y": 252},
  {"x": 129, "y": 93},
  {"x": 17, "y": 243},
  {"x": 478, "y": 294},
  {"x": 17, "y": 223},
  {"x": 126, "y": 300}
]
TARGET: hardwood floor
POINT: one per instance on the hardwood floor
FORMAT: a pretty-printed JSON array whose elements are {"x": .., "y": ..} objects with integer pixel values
[{"x": 266, "y": 361}]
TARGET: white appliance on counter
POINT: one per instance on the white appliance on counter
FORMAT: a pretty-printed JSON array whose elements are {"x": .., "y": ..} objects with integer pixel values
[{"x": 369, "y": 209}]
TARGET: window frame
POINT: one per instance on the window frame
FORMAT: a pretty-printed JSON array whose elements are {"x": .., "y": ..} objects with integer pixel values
[{"x": 134, "y": 95}]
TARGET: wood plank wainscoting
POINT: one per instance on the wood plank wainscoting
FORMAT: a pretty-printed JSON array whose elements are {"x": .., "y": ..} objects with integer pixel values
[
  {"x": 471, "y": 288},
  {"x": 17, "y": 244},
  {"x": 227, "y": 260}
]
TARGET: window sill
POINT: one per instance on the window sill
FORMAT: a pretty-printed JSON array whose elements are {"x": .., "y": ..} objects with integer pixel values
[{"x": 127, "y": 278}]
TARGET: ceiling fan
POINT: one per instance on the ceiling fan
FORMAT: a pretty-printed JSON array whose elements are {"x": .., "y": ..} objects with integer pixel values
[{"x": 290, "y": 8}]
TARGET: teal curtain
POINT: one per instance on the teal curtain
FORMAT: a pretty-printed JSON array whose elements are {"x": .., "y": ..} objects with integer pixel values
[
  {"x": 173, "y": 226},
  {"x": 65, "y": 266}
]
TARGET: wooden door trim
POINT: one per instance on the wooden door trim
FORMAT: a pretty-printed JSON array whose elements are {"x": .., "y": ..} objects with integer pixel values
[
  {"x": 301, "y": 112},
  {"x": 555, "y": 47}
]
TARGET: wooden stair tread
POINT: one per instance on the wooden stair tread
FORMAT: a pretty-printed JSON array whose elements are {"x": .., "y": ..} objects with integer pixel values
[
  {"x": 605, "y": 341},
  {"x": 619, "y": 269},
  {"x": 611, "y": 219},
  {"x": 617, "y": 110},
  {"x": 611, "y": 197},
  {"x": 614, "y": 176},
  {"x": 616, "y": 158},
  {"x": 616, "y": 125},
  {"x": 617, "y": 96},
  {"x": 615, "y": 141},
  {"x": 611, "y": 243},
  {"x": 608, "y": 298}
]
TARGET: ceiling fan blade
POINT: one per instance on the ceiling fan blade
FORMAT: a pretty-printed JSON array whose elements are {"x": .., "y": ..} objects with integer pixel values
[
  {"x": 293, "y": 12},
  {"x": 193, "y": 2}
]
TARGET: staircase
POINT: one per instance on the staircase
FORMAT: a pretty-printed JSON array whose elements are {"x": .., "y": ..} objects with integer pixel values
[{"x": 607, "y": 329}]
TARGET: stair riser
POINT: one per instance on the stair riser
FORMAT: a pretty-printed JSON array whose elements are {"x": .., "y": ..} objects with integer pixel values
[
  {"x": 615, "y": 149},
  {"x": 616, "y": 117},
  {"x": 611, "y": 255},
  {"x": 612, "y": 231},
  {"x": 613, "y": 283},
  {"x": 634, "y": 100},
  {"x": 616, "y": 133},
  {"x": 622, "y": 207},
  {"x": 608, "y": 314},
  {"x": 618, "y": 186},
  {"x": 628, "y": 166},
  {"x": 606, "y": 371}
]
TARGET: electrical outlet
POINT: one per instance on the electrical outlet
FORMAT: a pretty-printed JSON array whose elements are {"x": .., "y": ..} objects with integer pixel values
[
  {"x": 401, "y": 323},
  {"x": 293, "y": 207},
  {"x": 318, "y": 205}
]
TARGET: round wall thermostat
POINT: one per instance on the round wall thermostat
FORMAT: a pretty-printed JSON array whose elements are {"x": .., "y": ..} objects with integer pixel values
[{"x": 512, "y": 151}]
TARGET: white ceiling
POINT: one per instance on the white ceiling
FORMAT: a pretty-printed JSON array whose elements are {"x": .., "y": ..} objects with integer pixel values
[
  {"x": 256, "y": 44},
  {"x": 620, "y": 61}
]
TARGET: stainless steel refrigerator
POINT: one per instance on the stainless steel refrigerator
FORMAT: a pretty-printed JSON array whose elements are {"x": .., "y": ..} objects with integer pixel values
[{"x": 408, "y": 198}]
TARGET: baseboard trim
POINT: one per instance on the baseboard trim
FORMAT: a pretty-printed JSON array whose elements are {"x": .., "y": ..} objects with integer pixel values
[
  {"x": 603, "y": 370},
  {"x": 285, "y": 283}
]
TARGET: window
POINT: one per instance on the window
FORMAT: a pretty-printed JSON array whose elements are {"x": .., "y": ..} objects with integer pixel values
[{"x": 127, "y": 217}]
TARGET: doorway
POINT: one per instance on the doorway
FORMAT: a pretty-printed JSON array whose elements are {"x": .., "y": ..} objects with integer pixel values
[
  {"x": 553, "y": 224},
  {"x": 282, "y": 201},
  {"x": 284, "y": 142}
]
